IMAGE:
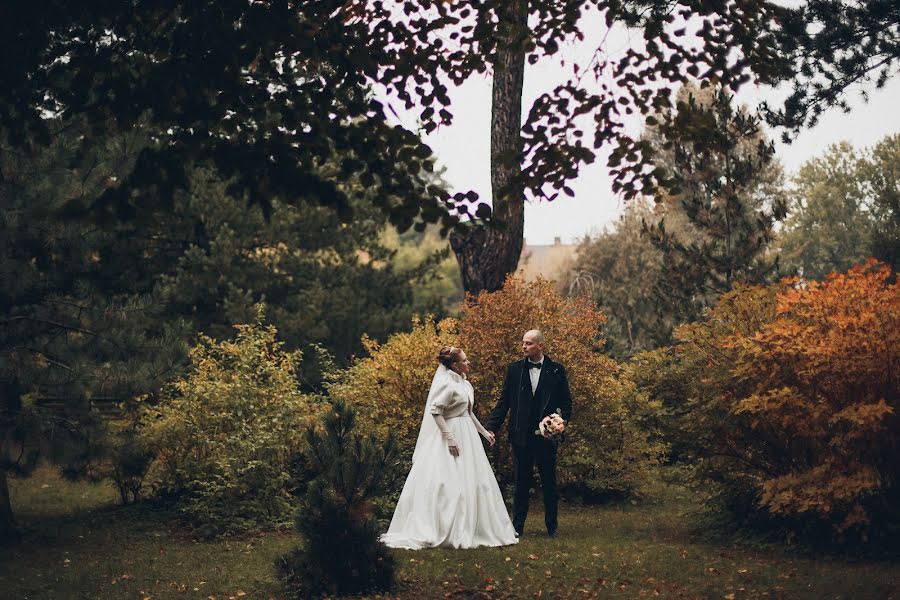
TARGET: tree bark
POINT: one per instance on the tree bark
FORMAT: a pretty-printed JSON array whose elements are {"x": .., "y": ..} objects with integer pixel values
[
  {"x": 487, "y": 254},
  {"x": 6, "y": 515}
]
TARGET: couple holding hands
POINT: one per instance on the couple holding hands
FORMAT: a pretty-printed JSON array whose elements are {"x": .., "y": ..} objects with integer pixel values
[{"x": 451, "y": 497}]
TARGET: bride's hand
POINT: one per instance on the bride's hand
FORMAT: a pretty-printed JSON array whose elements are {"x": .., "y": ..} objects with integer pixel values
[
  {"x": 454, "y": 450},
  {"x": 489, "y": 436}
]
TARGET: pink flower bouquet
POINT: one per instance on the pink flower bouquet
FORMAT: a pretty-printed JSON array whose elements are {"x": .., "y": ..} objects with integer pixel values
[{"x": 551, "y": 426}]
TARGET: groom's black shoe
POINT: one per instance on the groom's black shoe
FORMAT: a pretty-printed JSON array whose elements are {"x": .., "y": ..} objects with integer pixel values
[
  {"x": 553, "y": 533},
  {"x": 518, "y": 532}
]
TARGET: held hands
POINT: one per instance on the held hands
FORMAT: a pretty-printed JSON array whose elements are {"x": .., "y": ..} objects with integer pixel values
[{"x": 489, "y": 436}]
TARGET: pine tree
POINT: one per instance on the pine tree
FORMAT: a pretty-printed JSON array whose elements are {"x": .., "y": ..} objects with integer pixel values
[
  {"x": 324, "y": 283},
  {"x": 724, "y": 190},
  {"x": 75, "y": 334},
  {"x": 340, "y": 553}
]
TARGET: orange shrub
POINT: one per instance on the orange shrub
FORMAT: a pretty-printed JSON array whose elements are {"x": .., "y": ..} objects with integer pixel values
[
  {"x": 825, "y": 377},
  {"x": 792, "y": 408},
  {"x": 605, "y": 451}
]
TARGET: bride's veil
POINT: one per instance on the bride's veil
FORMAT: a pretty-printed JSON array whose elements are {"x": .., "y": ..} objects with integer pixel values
[{"x": 429, "y": 428}]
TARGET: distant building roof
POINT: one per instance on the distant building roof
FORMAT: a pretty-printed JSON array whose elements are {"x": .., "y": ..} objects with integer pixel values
[{"x": 549, "y": 261}]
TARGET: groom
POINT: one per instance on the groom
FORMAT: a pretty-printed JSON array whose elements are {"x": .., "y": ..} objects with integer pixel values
[{"x": 534, "y": 388}]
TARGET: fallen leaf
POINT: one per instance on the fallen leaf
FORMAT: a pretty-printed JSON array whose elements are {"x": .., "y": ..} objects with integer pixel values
[{"x": 533, "y": 557}]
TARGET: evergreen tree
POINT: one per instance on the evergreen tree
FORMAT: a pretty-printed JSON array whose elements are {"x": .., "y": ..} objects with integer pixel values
[
  {"x": 340, "y": 553},
  {"x": 621, "y": 268},
  {"x": 324, "y": 283},
  {"x": 76, "y": 335},
  {"x": 718, "y": 169},
  {"x": 829, "y": 49}
]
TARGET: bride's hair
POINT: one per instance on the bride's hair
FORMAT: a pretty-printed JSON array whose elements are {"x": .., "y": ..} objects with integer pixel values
[{"x": 449, "y": 355}]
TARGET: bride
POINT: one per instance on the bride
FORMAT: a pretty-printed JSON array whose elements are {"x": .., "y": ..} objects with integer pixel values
[{"x": 451, "y": 497}]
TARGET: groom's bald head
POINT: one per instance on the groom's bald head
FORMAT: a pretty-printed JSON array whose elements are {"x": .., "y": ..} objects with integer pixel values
[
  {"x": 533, "y": 344},
  {"x": 535, "y": 335}
]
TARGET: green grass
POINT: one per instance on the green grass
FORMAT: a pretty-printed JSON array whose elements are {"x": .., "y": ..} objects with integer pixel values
[{"x": 78, "y": 544}]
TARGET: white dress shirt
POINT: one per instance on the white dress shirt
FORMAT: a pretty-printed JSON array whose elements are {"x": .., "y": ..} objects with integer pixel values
[{"x": 534, "y": 374}]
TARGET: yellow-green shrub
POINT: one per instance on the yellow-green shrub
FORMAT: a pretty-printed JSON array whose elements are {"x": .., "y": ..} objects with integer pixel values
[
  {"x": 388, "y": 388},
  {"x": 225, "y": 432}
]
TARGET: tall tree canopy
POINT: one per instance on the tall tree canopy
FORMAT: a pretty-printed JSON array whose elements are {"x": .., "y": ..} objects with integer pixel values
[
  {"x": 844, "y": 207},
  {"x": 831, "y": 49},
  {"x": 719, "y": 168},
  {"x": 269, "y": 91}
]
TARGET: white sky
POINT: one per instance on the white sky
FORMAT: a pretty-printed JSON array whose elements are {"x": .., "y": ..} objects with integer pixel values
[{"x": 464, "y": 147}]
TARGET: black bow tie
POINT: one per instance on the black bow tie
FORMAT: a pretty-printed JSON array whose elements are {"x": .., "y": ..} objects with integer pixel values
[{"x": 532, "y": 365}]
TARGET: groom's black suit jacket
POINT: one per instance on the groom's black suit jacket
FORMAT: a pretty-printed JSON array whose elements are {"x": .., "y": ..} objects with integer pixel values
[{"x": 527, "y": 409}]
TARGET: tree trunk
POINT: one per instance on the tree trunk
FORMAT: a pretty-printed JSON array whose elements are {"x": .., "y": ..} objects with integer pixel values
[
  {"x": 6, "y": 515},
  {"x": 487, "y": 254}
]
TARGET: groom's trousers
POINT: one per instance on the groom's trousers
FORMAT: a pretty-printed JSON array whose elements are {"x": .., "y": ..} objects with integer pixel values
[{"x": 542, "y": 453}]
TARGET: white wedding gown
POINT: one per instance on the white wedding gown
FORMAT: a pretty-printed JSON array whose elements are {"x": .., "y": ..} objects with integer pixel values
[{"x": 450, "y": 501}]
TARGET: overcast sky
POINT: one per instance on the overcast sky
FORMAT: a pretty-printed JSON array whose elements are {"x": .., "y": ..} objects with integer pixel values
[{"x": 464, "y": 147}]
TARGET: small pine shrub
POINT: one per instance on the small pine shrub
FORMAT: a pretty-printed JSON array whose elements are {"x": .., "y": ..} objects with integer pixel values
[{"x": 340, "y": 553}]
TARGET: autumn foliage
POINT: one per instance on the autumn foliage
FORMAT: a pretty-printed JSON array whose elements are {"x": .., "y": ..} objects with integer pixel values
[
  {"x": 792, "y": 398},
  {"x": 388, "y": 388},
  {"x": 605, "y": 452}
]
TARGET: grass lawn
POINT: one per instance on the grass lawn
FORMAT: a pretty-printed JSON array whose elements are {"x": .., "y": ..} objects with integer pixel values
[{"x": 78, "y": 544}]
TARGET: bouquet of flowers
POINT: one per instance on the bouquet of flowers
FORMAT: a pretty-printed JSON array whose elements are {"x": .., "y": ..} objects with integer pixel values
[{"x": 551, "y": 426}]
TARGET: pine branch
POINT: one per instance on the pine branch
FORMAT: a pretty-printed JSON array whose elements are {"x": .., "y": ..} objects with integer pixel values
[{"x": 49, "y": 322}]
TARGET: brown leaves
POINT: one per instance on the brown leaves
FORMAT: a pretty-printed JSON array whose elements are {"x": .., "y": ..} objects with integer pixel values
[
  {"x": 802, "y": 379},
  {"x": 604, "y": 447}
]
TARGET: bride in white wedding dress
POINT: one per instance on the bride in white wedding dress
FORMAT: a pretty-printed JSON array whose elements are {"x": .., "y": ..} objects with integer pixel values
[{"x": 451, "y": 497}]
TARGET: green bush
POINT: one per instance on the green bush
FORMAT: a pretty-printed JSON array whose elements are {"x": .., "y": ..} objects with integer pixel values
[{"x": 225, "y": 432}]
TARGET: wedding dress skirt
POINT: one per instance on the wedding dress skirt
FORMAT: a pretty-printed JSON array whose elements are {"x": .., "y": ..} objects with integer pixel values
[{"x": 449, "y": 501}]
